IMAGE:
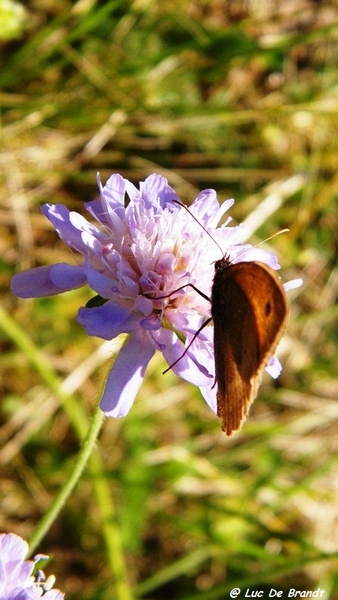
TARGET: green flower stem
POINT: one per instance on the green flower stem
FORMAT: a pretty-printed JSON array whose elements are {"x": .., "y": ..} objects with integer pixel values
[
  {"x": 81, "y": 461},
  {"x": 88, "y": 454}
]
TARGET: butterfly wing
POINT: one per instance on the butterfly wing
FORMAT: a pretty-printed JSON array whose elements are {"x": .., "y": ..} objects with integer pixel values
[{"x": 249, "y": 310}]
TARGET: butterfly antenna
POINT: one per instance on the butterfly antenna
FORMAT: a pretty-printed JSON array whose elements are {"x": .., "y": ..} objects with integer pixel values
[
  {"x": 200, "y": 224},
  {"x": 272, "y": 236}
]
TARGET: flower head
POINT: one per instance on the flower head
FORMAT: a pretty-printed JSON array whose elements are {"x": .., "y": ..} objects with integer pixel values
[
  {"x": 16, "y": 579},
  {"x": 145, "y": 259}
]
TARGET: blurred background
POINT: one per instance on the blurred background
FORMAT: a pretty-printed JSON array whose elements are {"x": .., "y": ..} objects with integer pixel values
[{"x": 240, "y": 96}]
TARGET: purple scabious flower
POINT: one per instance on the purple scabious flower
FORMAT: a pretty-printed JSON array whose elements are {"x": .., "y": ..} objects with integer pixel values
[
  {"x": 16, "y": 579},
  {"x": 139, "y": 258}
]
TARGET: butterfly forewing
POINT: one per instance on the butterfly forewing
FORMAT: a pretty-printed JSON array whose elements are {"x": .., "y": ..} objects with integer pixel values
[{"x": 249, "y": 310}]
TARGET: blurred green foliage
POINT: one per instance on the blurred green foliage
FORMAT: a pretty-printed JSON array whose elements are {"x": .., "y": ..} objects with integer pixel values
[{"x": 12, "y": 18}]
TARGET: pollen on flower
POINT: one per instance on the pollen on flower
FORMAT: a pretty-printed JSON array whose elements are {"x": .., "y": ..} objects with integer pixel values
[
  {"x": 106, "y": 250},
  {"x": 183, "y": 259}
]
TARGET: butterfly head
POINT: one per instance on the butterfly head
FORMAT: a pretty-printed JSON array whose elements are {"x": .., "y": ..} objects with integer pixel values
[{"x": 222, "y": 263}]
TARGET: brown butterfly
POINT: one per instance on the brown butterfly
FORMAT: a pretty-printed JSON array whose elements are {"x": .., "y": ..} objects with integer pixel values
[{"x": 249, "y": 309}]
